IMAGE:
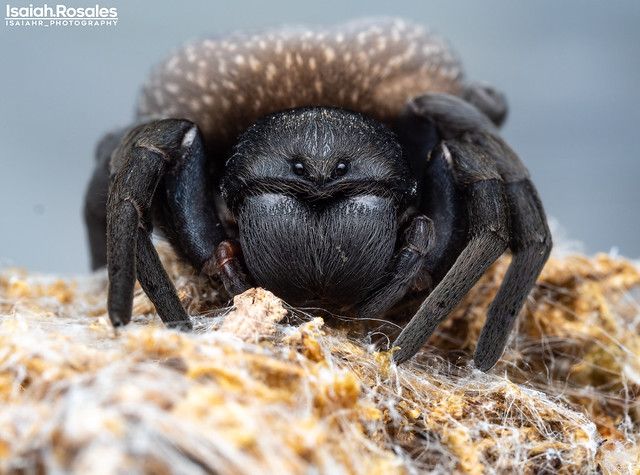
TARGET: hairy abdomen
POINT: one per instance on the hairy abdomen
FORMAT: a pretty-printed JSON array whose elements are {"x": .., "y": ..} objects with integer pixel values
[
  {"x": 332, "y": 256},
  {"x": 371, "y": 66}
]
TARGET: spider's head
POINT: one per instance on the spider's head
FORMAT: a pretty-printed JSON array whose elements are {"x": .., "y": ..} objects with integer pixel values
[
  {"x": 317, "y": 193},
  {"x": 317, "y": 154}
]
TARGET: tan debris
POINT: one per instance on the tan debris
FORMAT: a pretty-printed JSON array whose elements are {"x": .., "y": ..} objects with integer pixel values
[{"x": 252, "y": 392}]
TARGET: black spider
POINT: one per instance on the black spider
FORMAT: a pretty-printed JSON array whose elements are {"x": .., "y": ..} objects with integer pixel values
[{"x": 356, "y": 163}]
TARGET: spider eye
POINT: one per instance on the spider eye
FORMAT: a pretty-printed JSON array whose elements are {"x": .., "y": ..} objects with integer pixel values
[
  {"x": 341, "y": 168},
  {"x": 298, "y": 167}
]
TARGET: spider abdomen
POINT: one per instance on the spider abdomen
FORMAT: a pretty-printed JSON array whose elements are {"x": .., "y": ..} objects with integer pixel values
[
  {"x": 331, "y": 255},
  {"x": 371, "y": 66}
]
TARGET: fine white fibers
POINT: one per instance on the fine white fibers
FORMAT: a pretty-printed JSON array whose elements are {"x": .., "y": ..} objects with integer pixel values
[{"x": 248, "y": 392}]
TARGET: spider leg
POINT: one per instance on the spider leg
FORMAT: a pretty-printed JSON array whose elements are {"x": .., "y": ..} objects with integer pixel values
[
  {"x": 488, "y": 240},
  {"x": 122, "y": 230},
  {"x": 502, "y": 209},
  {"x": 168, "y": 152},
  {"x": 140, "y": 161},
  {"x": 408, "y": 270},
  {"x": 95, "y": 203},
  {"x": 530, "y": 244},
  {"x": 488, "y": 100},
  {"x": 187, "y": 213},
  {"x": 156, "y": 284},
  {"x": 157, "y": 172}
]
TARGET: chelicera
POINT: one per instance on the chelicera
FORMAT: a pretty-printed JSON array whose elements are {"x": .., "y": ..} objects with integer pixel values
[{"x": 357, "y": 165}]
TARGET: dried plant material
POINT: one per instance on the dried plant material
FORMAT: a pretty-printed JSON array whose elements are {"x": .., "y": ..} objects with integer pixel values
[
  {"x": 249, "y": 392},
  {"x": 254, "y": 315}
]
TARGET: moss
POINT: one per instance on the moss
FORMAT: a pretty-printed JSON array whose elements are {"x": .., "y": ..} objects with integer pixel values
[{"x": 258, "y": 389}]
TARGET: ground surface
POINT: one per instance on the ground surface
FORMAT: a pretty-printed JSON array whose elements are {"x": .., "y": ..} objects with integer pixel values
[{"x": 260, "y": 389}]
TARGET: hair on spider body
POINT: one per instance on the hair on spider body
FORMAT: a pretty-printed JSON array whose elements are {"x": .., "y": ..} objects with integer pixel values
[
  {"x": 365, "y": 168},
  {"x": 326, "y": 176}
]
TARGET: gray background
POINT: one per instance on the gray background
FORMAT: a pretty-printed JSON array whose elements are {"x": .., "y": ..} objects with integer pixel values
[{"x": 571, "y": 71}]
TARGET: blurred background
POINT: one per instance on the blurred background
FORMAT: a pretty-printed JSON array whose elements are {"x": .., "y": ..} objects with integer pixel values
[{"x": 570, "y": 69}]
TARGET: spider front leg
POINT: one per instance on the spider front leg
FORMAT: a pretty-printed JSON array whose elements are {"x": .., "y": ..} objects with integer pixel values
[
  {"x": 502, "y": 210},
  {"x": 168, "y": 152}
]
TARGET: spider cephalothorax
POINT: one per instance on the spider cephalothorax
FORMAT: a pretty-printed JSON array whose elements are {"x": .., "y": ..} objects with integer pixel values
[
  {"x": 357, "y": 166},
  {"x": 324, "y": 176}
]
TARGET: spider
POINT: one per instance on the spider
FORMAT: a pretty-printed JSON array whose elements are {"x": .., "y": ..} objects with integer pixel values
[{"x": 343, "y": 167}]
